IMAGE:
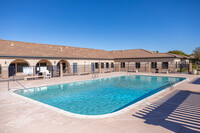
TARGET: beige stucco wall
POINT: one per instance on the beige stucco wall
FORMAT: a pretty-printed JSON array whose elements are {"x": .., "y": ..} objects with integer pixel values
[
  {"x": 85, "y": 65},
  {"x": 145, "y": 64}
]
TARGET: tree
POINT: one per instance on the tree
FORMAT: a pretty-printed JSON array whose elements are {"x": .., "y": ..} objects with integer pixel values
[
  {"x": 156, "y": 51},
  {"x": 197, "y": 53},
  {"x": 178, "y": 52}
]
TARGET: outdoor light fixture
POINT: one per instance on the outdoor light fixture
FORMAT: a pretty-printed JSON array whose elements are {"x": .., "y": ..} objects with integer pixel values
[{"x": 5, "y": 62}]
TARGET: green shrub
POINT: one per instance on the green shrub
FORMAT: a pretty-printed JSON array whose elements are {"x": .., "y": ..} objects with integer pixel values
[
  {"x": 184, "y": 70},
  {"x": 194, "y": 66}
]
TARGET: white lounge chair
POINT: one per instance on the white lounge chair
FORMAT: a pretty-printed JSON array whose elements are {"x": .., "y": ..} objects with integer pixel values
[{"x": 133, "y": 70}]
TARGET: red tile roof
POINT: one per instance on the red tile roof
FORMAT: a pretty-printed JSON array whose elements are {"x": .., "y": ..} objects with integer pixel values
[{"x": 27, "y": 49}]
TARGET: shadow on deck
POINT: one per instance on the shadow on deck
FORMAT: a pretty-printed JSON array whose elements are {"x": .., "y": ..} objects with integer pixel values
[
  {"x": 196, "y": 81},
  {"x": 179, "y": 113}
]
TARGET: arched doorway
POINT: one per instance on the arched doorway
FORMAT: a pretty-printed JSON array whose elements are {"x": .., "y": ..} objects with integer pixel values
[
  {"x": 16, "y": 67},
  {"x": 65, "y": 67},
  {"x": 43, "y": 64}
]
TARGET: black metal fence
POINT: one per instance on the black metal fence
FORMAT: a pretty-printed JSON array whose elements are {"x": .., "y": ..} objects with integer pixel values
[
  {"x": 22, "y": 71},
  {"x": 183, "y": 68},
  {"x": 19, "y": 72}
]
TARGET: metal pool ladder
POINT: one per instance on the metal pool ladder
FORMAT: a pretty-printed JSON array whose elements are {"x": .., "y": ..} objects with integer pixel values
[
  {"x": 17, "y": 82},
  {"x": 128, "y": 73},
  {"x": 95, "y": 75}
]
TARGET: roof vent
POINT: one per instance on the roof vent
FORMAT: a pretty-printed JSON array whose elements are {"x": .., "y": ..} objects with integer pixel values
[
  {"x": 12, "y": 44},
  {"x": 61, "y": 49},
  {"x": 122, "y": 50}
]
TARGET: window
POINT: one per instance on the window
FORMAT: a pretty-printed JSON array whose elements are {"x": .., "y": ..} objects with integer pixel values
[
  {"x": 107, "y": 65},
  {"x": 102, "y": 65},
  {"x": 20, "y": 66},
  {"x": 43, "y": 64},
  {"x": 164, "y": 65},
  {"x": 137, "y": 64},
  {"x": 112, "y": 65},
  {"x": 96, "y": 65},
  {"x": 122, "y": 64},
  {"x": 153, "y": 65}
]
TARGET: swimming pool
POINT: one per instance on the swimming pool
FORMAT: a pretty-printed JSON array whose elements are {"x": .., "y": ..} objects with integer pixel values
[{"x": 99, "y": 96}]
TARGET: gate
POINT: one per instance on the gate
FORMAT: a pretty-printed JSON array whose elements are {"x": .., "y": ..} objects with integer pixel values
[
  {"x": 184, "y": 68},
  {"x": 74, "y": 68},
  {"x": 11, "y": 69},
  {"x": 92, "y": 67}
]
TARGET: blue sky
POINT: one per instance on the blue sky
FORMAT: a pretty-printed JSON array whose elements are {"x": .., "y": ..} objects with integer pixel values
[{"x": 161, "y": 25}]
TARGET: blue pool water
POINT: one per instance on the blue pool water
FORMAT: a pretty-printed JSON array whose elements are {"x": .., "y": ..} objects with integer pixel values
[{"x": 100, "y": 96}]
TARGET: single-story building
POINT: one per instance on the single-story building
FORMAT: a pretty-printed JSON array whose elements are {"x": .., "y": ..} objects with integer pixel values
[{"x": 16, "y": 57}]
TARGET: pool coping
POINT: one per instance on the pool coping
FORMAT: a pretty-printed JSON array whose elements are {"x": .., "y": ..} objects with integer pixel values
[
  {"x": 121, "y": 111},
  {"x": 96, "y": 79}
]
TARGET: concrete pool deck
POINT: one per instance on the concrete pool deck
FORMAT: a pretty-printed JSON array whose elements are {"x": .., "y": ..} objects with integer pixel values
[{"x": 177, "y": 110}]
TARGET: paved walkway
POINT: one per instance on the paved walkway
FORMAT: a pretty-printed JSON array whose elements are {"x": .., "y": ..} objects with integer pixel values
[{"x": 177, "y": 110}]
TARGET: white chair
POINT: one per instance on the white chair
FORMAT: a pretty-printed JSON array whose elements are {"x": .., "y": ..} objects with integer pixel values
[{"x": 47, "y": 74}]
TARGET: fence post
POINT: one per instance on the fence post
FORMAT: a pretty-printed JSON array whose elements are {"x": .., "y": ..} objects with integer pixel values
[
  {"x": 61, "y": 69},
  {"x": 119, "y": 66},
  {"x": 190, "y": 68},
  {"x": 99, "y": 67},
  {"x": 8, "y": 84},
  {"x": 128, "y": 66},
  {"x": 52, "y": 70},
  {"x": 115, "y": 66},
  {"x": 180, "y": 67},
  {"x": 148, "y": 67}
]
